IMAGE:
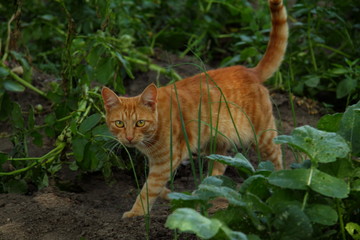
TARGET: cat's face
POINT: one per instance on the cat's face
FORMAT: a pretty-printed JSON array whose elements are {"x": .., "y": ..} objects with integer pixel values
[{"x": 132, "y": 120}]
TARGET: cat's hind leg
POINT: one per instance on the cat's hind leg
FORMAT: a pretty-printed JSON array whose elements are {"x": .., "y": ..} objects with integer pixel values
[
  {"x": 217, "y": 167},
  {"x": 267, "y": 147}
]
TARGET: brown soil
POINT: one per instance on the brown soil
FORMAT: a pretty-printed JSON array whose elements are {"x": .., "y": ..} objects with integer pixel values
[{"x": 94, "y": 210}]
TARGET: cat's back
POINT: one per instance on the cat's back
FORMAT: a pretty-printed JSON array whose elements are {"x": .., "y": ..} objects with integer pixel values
[{"x": 237, "y": 83}]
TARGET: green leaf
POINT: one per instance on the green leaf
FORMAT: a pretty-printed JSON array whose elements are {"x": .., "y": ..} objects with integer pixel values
[
  {"x": 257, "y": 185},
  {"x": 78, "y": 146},
  {"x": 256, "y": 204},
  {"x": 238, "y": 161},
  {"x": 318, "y": 181},
  {"x": 328, "y": 185},
  {"x": 281, "y": 198},
  {"x": 4, "y": 72},
  {"x": 233, "y": 235},
  {"x": 265, "y": 166},
  {"x": 125, "y": 64},
  {"x": 104, "y": 70},
  {"x": 345, "y": 87},
  {"x": 330, "y": 122},
  {"x": 183, "y": 196},
  {"x": 188, "y": 220},
  {"x": 355, "y": 186},
  {"x": 320, "y": 146},
  {"x": 292, "y": 223},
  {"x": 89, "y": 123},
  {"x": 322, "y": 214},
  {"x": 312, "y": 81},
  {"x": 353, "y": 229},
  {"x": 101, "y": 132},
  {"x": 37, "y": 138},
  {"x": 95, "y": 55},
  {"x": 350, "y": 127},
  {"x": 13, "y": 86},
  {"x": 207, "y": 191},
  {"x": 292, "y": 179},
  {"x": 17, "y": 117}
]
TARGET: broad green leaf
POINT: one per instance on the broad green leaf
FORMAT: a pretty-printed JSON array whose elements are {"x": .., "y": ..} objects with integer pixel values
[
  {"x": 355, "y": 186},
  {"x": 350, "y": 127},
  {"x": 345, "y": 87},
  {"x": 256, "y": 204},
  {"x": 220, "y": 181},
  {"x": 341, "y": 168},
  {"x": 238, "y": 161},
  {"x": 233, "y": 235},
  {"x": 17, "y": 117},
  {"x": 312, "y": 81},
  {"x": 78, "y": 146},
  {"x": 206, "y": 191},
  {"x": 322, "y": 214},
  {"x": 353, "y": 229},
  {"x": 318, "y": 181},
  {"x": 95, "y": 55},
  {"x": 89, "y": 123},
  {"x": 13, "y": 86},
  {"x": 281, "y": 198},
  {"x": 328, "y": 185},
  {"x": 3, "y": 72},
  {"x": 125, "y": 64},
  {"x": 183, "y": 196},
  {"x": 104, "y": 70},
  {"x": 189, "y": 220},
  {"x": 292, "y": 179},
  {"x": 98, "y": 156},
  {"x": 292, "y": 224},
  {"x": 101, "y": 132},
  {"x": 265, "y": 166},
  {"x": 37, "y": 138},
  {"x": 320, "y": 146},
  {"x": 330, "y": 122},
  {"x": 257, "y": 185}
]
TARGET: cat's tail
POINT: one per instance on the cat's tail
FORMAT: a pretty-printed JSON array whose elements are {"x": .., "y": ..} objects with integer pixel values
[{"x": 276, "y": 48}]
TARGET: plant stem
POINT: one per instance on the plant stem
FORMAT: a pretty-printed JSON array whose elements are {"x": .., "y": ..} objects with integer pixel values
[
  {"x": 341, "y": 220},
  {"x": 313, "y": 59},
  {"x": 23, "y": 82},
  {"x": 155, "y": 67}
]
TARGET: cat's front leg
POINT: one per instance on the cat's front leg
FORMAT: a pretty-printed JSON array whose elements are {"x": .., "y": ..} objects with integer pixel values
[{"x": 159, "y": 175}]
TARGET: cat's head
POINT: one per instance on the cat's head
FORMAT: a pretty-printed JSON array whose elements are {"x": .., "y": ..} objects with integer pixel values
[{"x": 133, "y": 120}]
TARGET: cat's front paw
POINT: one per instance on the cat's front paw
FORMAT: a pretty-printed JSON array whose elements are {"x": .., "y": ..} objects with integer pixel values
[{"x": 130, "y": 214}]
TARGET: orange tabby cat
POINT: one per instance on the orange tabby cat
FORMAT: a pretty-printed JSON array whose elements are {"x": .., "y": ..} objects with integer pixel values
[{"x": 235, "y": 108}]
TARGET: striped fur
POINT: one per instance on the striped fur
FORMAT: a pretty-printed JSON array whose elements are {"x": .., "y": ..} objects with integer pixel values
[{"x": 226, "y": 95}]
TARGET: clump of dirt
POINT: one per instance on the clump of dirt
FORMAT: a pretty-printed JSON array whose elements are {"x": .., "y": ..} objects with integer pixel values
[{"x": 94, "y": 211}]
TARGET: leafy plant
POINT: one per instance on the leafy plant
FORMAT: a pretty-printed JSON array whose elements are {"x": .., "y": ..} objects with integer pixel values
[{"x": 315, "y": 199}]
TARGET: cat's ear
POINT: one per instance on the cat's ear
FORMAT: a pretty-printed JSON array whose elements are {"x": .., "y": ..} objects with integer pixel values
[
  {"x": 149, "y": 96},
  {"x": 109, "y": 97}
]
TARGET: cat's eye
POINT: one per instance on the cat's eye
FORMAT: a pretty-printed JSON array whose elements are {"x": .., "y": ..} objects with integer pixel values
[
  {"x": 119, "y": 124},
  {"x": 140, "y": 123}
]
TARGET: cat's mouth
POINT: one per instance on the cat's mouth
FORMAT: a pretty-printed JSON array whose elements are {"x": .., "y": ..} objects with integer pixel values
[{"x": 130, "y": 143}]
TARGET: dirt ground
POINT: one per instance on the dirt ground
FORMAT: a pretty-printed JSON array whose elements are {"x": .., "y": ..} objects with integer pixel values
[{"x": 94, "y": 210}]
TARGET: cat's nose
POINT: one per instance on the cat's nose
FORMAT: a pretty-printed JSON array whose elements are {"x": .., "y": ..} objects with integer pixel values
[{"x": 129, "y": 138}]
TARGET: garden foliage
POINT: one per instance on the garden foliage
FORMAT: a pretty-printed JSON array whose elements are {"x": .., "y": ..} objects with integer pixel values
[
  {"x": 315, "y": 199},
  {"x": 76, "y": 47}
]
